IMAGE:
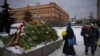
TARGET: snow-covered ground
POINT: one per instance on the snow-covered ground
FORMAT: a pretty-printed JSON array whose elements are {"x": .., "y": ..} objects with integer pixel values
[{"x": 79, "y": 48}]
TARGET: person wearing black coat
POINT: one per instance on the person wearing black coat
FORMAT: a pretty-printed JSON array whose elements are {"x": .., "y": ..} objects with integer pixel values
[
  {"x": 89, "y": 38},
  {"x": 96, "y": 34},
  {"x": 68, "y": 50},
  {"x": 98, "y": 25}
]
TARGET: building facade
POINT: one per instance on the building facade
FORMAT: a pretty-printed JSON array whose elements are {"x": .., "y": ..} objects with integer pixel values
[
  {"x": 98, "y": 9},
  {"x": 50, "y": 13}
]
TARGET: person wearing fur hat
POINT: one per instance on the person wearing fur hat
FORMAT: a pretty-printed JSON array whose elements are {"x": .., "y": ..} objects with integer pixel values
[{"x": 89, "y": 35}]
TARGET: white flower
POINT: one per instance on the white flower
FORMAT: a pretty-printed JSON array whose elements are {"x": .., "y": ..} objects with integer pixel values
[
  {"x": 22, "y": 34},
  {"x": 33, "y": 31},
  {"x": 47, "y": 32},
  {"x": 42, "y": 21},
  {"x": 18, "y": 31}
]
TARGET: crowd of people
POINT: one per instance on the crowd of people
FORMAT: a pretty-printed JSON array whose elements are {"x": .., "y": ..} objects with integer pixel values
[{"x": 90, "y": 34}]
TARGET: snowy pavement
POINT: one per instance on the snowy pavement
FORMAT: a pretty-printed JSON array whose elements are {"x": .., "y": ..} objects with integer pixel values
[{"x": 79, "y": 48}]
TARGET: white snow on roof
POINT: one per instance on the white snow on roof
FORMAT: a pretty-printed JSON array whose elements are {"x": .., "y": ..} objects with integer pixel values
[{"x": 16, "y": 24}]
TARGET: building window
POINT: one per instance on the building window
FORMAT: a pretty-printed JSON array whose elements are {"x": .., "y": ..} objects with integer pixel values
[{"x": 50, "y": 9}]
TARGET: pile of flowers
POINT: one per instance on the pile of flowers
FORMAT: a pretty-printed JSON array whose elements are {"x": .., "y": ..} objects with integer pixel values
[{"x": 30, "y": 35}]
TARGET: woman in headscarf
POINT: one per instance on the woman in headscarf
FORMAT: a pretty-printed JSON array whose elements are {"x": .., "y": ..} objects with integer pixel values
[{"x": 68, "y": 50}]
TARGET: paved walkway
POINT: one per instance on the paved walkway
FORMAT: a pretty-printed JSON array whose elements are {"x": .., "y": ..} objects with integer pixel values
[{"x": 79, "y": 50}]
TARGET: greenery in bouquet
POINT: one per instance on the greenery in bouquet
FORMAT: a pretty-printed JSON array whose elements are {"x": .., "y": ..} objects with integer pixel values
[{"x": 31, "y": 35}]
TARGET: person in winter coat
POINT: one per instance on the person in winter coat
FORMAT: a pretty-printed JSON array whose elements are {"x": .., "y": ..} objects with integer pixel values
[
  {"x": 88, "y": 37},
  {"x": 98, "y": 26},
  {"x": 96, "y": 35},
  {"x": 68, "y": 50}
]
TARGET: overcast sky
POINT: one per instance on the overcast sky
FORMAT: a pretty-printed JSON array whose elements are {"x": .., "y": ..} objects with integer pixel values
[{"x": 80, "y": 8}]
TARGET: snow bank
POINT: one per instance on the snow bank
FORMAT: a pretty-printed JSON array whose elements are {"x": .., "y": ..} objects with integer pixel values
[
  {"x": 3, "y": 34},
  {"x": 20, "y": 50},
  {"x": 15, "y": 49}
]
